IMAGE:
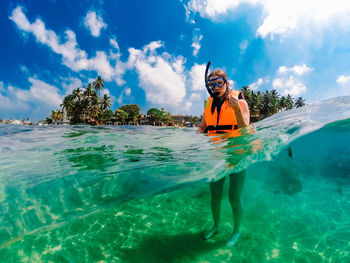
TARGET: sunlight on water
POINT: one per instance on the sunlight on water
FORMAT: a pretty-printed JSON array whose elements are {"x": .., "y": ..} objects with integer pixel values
[{"x": 78, "y": 193}]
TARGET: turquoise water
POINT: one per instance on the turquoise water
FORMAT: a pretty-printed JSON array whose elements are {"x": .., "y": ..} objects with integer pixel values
[{"x": 140, "y": 194}]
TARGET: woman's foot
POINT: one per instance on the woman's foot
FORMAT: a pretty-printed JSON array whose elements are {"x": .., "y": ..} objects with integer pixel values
[
  {"x": 233, "y": 240},
  {"x": 210, "y": 233}
]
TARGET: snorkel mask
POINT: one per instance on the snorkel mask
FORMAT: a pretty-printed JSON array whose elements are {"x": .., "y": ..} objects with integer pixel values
[{"x": 212, "y": 83}]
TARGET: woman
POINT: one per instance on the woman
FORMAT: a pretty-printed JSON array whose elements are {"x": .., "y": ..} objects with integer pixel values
[{"x": 225, "y": 110}]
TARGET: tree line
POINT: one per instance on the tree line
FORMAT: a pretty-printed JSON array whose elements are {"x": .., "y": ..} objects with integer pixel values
[
  {"x": 85, "y": 105},
  {"x": 267, "y": 103}
]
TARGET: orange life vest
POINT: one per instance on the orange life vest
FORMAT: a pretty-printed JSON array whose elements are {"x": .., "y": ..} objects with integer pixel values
[{"x": 226, "y": 121}]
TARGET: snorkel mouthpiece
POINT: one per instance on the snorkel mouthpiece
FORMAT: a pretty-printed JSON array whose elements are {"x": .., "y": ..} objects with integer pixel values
[{"x": 207, "y": 83}]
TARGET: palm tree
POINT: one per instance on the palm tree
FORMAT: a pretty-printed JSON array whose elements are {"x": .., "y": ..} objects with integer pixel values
[
  {"x": 68, "y": 103},
  {"x": 274, "y": 101},
  {"x": 56, "y": 115},
  {"x": 282, "y": 103},
  {"x": 84, "y": 105},
  {"x": 94, "y": 108},
  {"x": 290, "y": 102},
  {"x": 105, "y": 102},
  {"x": 256, "y": 105},
  {"x": 299, "y": 102},
  {"x": 98, "y": 84}
]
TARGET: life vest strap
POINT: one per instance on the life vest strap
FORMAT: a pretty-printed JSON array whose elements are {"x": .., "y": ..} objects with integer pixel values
[{"x": 220, "y": 128}]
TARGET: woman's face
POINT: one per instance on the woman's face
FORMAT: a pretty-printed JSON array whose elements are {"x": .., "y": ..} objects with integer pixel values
[{"x": 220, "y": 86}]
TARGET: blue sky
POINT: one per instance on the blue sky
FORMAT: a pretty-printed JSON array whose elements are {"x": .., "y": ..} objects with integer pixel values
[{"x": 154, "y": 52}]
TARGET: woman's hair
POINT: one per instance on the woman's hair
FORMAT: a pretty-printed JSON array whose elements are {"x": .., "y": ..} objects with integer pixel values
[
  {"x": 221, "y": 73},
  {"x": 218, "y": 72}
]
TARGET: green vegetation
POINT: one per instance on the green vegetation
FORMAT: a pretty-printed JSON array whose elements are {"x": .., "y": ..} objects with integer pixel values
[
  {"x": 159, "y": 116},
  {"x": 85, "y": 105},
  {"x": 265, "y": 104},
  {"x": 133, "y": 112}
]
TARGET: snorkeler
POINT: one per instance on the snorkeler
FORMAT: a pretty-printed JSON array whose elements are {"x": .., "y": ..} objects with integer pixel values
[{"x": 225, "y": 110}]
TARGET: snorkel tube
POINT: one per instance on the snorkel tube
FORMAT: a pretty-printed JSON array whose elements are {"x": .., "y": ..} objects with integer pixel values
[{"x": 206, "y": 81}]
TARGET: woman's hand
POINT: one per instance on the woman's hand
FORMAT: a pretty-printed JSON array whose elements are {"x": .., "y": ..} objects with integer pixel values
[{"x": 234, "y": 103}]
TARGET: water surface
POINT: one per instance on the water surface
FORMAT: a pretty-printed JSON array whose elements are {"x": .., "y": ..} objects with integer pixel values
[{"x": 140, "y": 193}]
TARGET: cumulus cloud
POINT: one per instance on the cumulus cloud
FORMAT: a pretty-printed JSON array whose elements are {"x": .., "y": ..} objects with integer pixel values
[
  {"x": 243, "y": 46},
  {"x": 255, "y": 85},
  {"x": 344, "y": 85},
  {"x": 5, "y": 101},
  {"x": 197, "y": 37},
  {"x": 197, "y": 77},
  {"x": 196, "y": 91},
  {"x": 72, "y": 56},
  {"x": 289, "y": 85},
  {"x": 126, "y": 92},
  {"x": 40, "y": 95},
  {"x": 94, "y": 23},
  {"x": 297, "y": 69},
  {"x": 114, "y": 43},
  {"x": 42, "y": 92},
  {"x": 161, "y": 76},
  {"x": 281, "y": 17},
  {"x": 289, "y": 81},
  {"x": 70, "y": 84},
  {"x": 343, "y": 80}
]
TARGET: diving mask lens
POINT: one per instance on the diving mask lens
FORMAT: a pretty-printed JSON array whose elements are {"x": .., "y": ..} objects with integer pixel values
[{"x": 217, "y": 82}]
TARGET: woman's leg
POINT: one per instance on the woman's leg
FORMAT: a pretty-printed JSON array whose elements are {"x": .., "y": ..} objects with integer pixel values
[
  {"x": 216, "y": 196},
  {"x": 235, "y": 196}
]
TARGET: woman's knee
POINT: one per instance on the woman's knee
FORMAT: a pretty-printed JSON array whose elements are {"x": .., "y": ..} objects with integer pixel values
[{"x": 236, "y": 201}]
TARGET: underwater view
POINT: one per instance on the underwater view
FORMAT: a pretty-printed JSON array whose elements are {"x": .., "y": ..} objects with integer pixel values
[{"x": 141, "y": 193}]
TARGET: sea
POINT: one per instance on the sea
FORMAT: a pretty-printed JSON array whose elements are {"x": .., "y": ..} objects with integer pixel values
[{"x": 76, "y": 193}]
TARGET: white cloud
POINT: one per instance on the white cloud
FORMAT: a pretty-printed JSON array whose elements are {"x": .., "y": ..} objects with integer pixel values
[
  {"x": 281, "y": 17},
  {"x": 193, "y": 102},
  {"x": 344, "y": 85},
  {"x": 127, "y": 91},
  {"x": 161, "y": 76},
  {"x": 5, "y": 101},
  {"x": 114, "y": 43},
  {"x": 297, "y": 69},
  {"x": 70, "y": 84},
  {"x": 94, "y": 23},
  {"x": 231, "y": 83},
  {"x": 195, "y": 96},
  {"x": 243, "y": 46},
  {"x": 72, "y": 56},
  {"x": 213, "y": 8},
  {"x": 120, "y": 99},
  {"x": 289, "y": 80},
  {"x": 343, "y": 80},
  {"x": 289, "y": 85},
  {"x": 41, "y": 94},
  {"x": 255, "y": 85},
  {"x": 197, "y": 77},
  {"x": 197, "y": 37},
  {"x": 105, "y": 91}
]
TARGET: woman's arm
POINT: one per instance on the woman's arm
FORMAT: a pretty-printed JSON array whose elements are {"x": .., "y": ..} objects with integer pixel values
[
  {"x": 202, "y": 126},
  {"x": 241, "y": 111},
  {"x": 242, "y": 115}
]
